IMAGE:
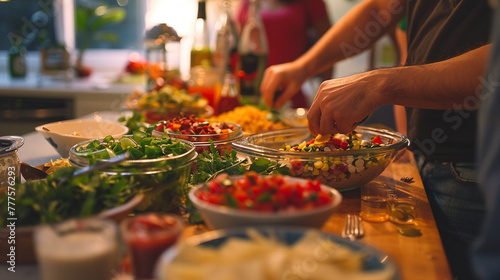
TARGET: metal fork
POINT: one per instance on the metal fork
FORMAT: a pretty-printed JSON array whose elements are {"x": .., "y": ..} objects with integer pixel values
[{"x": 353, "y": 227}]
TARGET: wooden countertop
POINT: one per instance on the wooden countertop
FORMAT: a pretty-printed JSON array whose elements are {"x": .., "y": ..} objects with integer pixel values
[{"x": 420, "y": 257}]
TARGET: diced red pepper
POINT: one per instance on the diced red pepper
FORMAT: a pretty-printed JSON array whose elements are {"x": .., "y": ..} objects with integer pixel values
[
  {"x": 377, "y": 140},
  {"x": 344, "y": 145}
]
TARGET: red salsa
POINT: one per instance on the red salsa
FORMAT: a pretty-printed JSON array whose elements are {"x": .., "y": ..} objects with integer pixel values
[
  {"x": 190, "y": 125},
  {"x": 264, "y": 193},
  {"x": 147, "y": 236}
]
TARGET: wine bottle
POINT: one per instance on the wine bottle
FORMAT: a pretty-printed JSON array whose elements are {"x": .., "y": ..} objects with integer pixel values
[
  {"x": 226, "y": 41},
  {"x": 201, "y": 53},
  {"x": 252, "y": 51}
]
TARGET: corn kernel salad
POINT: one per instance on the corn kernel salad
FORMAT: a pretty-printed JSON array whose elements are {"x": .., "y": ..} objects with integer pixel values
[{"x": 336, "y": 170}]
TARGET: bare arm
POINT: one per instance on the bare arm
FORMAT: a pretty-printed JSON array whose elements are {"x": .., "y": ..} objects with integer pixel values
[
  {"x": 353, "y": 33},
  {"x": 449, "y": 84}
]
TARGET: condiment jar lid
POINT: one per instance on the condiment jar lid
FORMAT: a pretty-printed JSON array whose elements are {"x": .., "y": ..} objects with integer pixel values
[{"x": 10, "y": 143}]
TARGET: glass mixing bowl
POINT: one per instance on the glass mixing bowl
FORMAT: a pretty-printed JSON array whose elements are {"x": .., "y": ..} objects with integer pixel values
[
  {"x": 163, "y": 179},
  {"x": 343, "y": 170}
]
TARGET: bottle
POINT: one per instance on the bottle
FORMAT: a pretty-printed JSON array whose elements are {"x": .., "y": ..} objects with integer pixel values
[
  {"x": 226, "y": 41},
  {"x": 252, "y": 51},
  {"x": 229, "y": 97},
  {"x": 17, "y": 59},
  {"x": 201, "y": 53}
]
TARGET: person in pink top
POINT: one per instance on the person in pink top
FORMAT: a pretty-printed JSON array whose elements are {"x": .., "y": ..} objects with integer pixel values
[{"x": 292, "y": 26}]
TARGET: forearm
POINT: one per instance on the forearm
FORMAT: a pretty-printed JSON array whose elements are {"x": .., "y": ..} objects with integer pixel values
[
  {"x": 357, "y": 31},
  {"x": 443, "y": 85}
]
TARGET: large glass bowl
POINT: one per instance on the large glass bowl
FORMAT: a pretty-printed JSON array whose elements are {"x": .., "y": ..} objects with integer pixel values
[
  {"x": 163, "y": 180},
  {"x": 332, "y": 168}
]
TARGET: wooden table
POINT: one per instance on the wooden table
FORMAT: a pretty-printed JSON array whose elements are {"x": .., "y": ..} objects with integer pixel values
[{"x": 419, "y": 257}]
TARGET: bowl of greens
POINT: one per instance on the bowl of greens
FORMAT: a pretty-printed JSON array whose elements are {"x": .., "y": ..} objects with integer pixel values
[
  {"x": 58, "y": 198},
  {"x": 160, "y": 166}
]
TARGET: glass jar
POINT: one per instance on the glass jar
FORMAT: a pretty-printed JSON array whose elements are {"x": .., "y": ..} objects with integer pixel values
[
  {"x": 162, "y": 180},
  {"x": 10, "y": 164},
  {"x": 204, "y": 81}
]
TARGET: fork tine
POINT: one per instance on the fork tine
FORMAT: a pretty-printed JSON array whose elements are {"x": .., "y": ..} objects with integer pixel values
[
  {"x": 361, "y": 230},
  {"x": 345, "y": 231},
  {"x": 354, "y": 225}
]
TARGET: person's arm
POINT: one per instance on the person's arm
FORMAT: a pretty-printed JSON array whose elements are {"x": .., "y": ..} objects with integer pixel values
[
  {"x": 357, "y": 31},
  {"x": 449, "y": 84}
]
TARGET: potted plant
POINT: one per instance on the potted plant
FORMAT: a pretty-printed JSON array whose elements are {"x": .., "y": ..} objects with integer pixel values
[{"x": 90, "y": 18}]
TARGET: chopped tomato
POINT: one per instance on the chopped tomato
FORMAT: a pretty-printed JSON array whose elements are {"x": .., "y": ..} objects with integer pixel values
[{"x": 268, "y": 194}]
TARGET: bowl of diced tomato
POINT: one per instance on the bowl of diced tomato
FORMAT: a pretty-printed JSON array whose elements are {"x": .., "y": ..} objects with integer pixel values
[
  {"x": 200, "y": 132},
  {"x": 252, "y": 199}
]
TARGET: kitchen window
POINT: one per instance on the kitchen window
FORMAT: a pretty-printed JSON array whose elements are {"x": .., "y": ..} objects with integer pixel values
[{"x": 39, "y": 21}]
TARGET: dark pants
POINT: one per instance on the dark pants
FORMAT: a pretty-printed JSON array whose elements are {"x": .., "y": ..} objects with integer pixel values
[{"x": 458, "y": 208}]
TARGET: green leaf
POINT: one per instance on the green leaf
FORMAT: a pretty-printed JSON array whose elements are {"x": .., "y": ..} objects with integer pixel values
[
  {"x": 81, "y": 19},
  {"x": 88, "y": 206},
  {"x": 264, "y": 197},
  {"x": 231, "y": 202},
  {"x": 153, "y": 151},
  {"x": 107, "y": 16},
  {"x": 260, "y": 165},
  {"x": 135, "y": 153}
]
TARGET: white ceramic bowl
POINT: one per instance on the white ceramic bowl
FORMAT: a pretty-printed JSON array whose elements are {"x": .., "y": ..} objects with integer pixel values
[
  {"x": 222, "y": 217},
  {"x": 65, "y": 134}
]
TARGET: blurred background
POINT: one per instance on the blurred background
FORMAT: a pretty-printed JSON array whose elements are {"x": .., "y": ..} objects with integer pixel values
[{"x": 32, "y": 25}]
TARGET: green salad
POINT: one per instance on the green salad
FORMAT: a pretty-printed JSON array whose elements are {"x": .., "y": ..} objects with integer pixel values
[
  {"x": 50, "y": 200},
  {"x": 160, "y": 166},
  {"x": 140, "y": 145}
]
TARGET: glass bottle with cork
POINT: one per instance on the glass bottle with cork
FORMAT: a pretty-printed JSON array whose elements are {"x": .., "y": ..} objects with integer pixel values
[
  {"x": 252, "y": 51},
  {"x": 200, "y": 52}
]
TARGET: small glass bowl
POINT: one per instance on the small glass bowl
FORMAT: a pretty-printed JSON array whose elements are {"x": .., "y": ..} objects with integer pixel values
[
  {"x": 343, "y": 170},
  {"x": 222, "y": 141}
]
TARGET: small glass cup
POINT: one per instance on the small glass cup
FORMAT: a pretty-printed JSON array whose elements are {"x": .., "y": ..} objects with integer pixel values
[
  {"x": 401, "y": 207},
  {"x": 77, "y": 249},
  {"x": 374, "y": 201},
  {"x": 147, "y": 236}
]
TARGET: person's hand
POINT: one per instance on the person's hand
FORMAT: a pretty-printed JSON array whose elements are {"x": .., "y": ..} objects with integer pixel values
[
  {"x": 287, "y": 77},
  {"x": 342, "y": 103}
]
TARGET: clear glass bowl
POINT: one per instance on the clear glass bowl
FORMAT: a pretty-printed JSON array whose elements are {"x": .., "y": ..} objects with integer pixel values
[
  {"x": 162, "y": 179},
  {"x": 343, "y": 170},
  {"x": 10, "y": 165},
  {"x": 222, "y": 141}
]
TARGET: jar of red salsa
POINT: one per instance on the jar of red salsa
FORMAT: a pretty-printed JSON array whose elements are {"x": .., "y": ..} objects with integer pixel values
[{"x": 147, "y": 236}]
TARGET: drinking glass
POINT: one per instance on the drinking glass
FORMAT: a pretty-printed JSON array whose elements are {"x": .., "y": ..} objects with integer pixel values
[
  {"x": 374, "y": 201},
  {"x": 77, "y": 249}
]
